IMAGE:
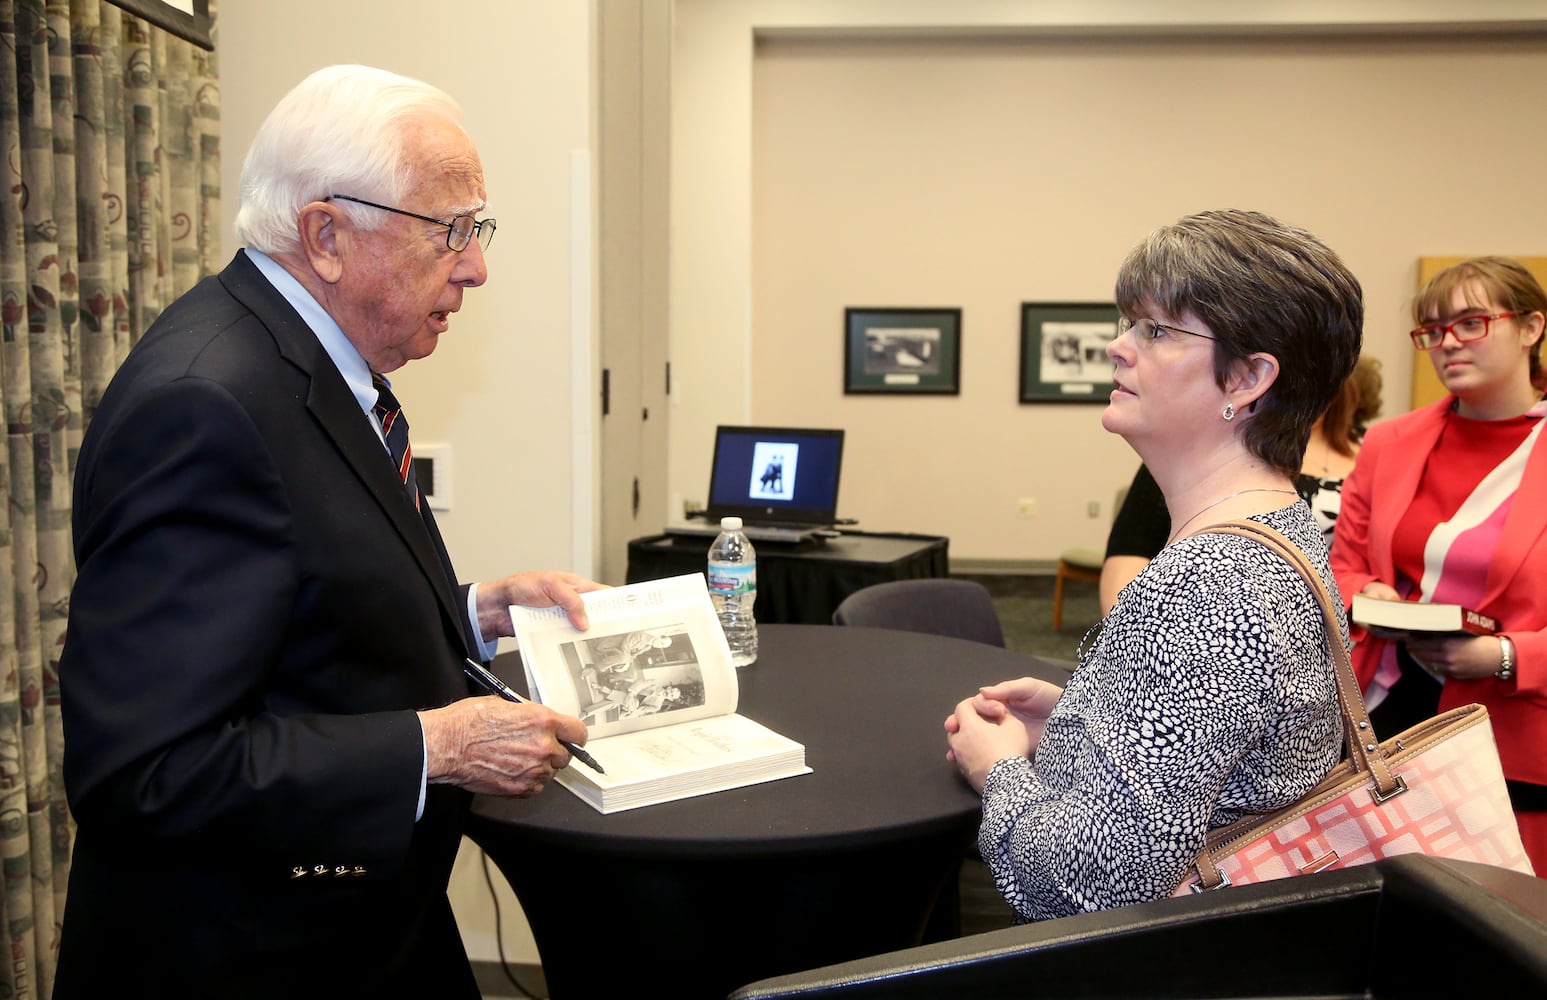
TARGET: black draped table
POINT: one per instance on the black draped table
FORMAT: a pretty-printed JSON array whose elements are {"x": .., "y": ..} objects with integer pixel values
[
  {"x": 697, "y": 897},
  {"x": 802, "y": 585}
]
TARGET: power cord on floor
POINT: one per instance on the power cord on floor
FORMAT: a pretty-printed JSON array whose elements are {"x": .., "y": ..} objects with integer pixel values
[{"x": 499, "y": 932}]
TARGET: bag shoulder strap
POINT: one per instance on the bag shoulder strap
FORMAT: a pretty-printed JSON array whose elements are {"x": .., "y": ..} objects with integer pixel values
[{"x": 1364, "y": 746}]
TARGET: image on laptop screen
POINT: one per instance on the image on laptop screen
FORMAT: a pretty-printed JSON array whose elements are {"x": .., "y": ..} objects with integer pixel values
[{"x": 776, "y": 474}]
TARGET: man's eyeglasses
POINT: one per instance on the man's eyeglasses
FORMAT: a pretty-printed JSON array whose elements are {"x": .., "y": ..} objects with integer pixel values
[
  {"x": 460, "y": 230},
  {"x": 1147, "y": 331},
  {"x": 1466, "y": 329}
]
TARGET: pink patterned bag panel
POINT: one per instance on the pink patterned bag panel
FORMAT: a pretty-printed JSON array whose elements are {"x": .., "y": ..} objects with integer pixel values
[{"x": 1455, "y": 806}]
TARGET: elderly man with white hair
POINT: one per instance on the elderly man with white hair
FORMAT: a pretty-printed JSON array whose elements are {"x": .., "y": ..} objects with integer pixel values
[{"x": 270, "y": 746}]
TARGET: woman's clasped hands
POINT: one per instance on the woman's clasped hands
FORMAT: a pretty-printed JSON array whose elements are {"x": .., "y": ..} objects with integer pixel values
[{"x": 1000, "y": 721}]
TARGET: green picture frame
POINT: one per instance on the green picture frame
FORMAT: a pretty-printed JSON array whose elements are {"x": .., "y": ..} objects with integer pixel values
[
  {"x": 1063, "y": 351},
  {"x": 901, "y": 351}
]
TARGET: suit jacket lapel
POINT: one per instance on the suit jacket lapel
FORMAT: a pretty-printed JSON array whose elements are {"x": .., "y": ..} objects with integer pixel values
[
  {"x": 1522, "y": 527},
  {"x": 340, "y": 416}
]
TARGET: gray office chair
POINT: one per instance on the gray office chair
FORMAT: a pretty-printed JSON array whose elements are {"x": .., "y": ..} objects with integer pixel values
[{"x": 939, "y": 606}]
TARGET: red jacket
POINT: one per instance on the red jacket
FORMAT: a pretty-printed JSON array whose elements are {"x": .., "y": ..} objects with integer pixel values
[{"x": 1375, "y": 496}]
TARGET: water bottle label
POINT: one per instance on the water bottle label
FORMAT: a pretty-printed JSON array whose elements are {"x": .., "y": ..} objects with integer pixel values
[{"x": 727, "y": 580}]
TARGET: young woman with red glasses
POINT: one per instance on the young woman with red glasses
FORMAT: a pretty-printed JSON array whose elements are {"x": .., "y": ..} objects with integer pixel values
[{"x": 1445, "y": 505}]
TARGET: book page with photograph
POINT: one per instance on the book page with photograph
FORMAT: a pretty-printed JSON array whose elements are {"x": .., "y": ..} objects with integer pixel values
[{"x": 654, "y": 655}]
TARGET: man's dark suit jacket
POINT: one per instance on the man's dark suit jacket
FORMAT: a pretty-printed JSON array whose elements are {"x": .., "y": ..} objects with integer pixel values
[{"x": 258, "y": 613}]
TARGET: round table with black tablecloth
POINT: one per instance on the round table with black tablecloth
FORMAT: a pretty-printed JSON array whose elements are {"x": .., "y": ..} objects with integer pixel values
[{"x": 697, "y": 897}]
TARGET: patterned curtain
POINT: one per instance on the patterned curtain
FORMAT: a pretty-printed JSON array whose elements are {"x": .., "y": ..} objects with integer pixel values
[{"x": 109, "y": 209}]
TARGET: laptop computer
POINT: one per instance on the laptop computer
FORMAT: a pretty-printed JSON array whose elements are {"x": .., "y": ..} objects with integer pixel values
[{"x": 781, "y": 481}]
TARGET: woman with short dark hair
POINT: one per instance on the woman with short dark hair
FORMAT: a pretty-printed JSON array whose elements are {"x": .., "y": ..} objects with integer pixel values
[{"x": 1209, "y": 692}]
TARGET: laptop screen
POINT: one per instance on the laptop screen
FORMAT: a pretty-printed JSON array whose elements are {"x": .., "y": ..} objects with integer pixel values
[{"x": 776, "y": 474}]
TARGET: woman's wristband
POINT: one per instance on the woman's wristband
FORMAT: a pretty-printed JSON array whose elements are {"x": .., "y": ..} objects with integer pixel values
[{"x": 1506, "y": 671}]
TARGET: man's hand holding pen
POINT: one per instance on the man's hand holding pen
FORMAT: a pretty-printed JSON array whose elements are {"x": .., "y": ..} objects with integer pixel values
[
  {"x": 497, "y": 747},
  {"x": 487, "y": 679}
]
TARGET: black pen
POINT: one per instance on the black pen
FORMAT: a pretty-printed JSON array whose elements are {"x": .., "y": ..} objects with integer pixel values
[{"x": 483, "y": 675}]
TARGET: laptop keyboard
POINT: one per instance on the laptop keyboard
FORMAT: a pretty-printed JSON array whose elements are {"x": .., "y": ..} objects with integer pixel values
[
  {"x": 784, "y": 532},
  {"x": 777, "y": 533}
]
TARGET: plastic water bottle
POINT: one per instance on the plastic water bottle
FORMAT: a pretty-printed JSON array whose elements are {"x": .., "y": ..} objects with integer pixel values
[{"x": 733, "y": 588}]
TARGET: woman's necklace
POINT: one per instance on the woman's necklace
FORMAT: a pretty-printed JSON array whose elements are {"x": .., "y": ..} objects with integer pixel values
[{"x": 1216, "y": 503}]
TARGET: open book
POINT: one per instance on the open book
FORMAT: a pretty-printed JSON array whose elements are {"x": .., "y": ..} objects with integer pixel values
[
  {"x": 652, "y": 679},
  {"x": 1419, "y": 616}
]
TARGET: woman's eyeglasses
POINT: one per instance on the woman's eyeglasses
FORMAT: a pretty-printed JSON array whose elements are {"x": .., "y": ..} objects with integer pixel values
[
  {"x": 1147, "y": 331},
  {"x": 1466, "y": 330}
]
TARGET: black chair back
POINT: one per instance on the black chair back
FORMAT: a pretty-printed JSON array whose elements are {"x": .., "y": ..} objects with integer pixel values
[
  {"x": 962, "y": 609},
  {"x": 1410, "y": 926}
]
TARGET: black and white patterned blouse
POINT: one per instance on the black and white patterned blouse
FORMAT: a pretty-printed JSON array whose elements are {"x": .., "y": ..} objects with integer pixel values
[{"x": 1209, "y": 693}]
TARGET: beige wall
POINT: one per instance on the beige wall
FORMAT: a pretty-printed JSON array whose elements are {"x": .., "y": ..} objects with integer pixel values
[
  {"x": 1014, "y": 155},
  {"x": 501, "y": 389}
]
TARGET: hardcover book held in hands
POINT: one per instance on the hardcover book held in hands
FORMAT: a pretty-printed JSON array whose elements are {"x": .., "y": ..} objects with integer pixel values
[
  {"x": 1420, "y": 616},
  {"x": 653, "y": 682}
]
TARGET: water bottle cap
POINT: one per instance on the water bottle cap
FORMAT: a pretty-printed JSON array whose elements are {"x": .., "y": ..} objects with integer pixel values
[{"x": 730, "y": 524}]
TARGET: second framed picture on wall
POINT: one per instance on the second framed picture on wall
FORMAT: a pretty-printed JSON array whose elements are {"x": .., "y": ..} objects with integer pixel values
[
  {"x": 902, "y": 350},
  {"x": 1064, "y": 351}
]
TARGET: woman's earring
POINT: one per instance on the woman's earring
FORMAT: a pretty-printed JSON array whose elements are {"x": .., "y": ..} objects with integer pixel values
[{"x": 1228, "y": 412}]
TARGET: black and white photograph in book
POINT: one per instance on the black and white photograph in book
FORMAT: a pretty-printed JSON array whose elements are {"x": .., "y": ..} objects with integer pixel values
[
  {"x": 1064, "y": 351},
  {"x": 644, "y": 672}
]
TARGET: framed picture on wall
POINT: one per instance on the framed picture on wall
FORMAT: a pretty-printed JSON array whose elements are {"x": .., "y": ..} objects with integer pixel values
[
  {"x": 902, "y": 350},
  {"x": 1064, "y": 351},
  {"x": 187, "y": 19}
]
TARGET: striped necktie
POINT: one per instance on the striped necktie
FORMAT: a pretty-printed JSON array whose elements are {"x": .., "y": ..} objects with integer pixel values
[{"x": 394, "y": 427}]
